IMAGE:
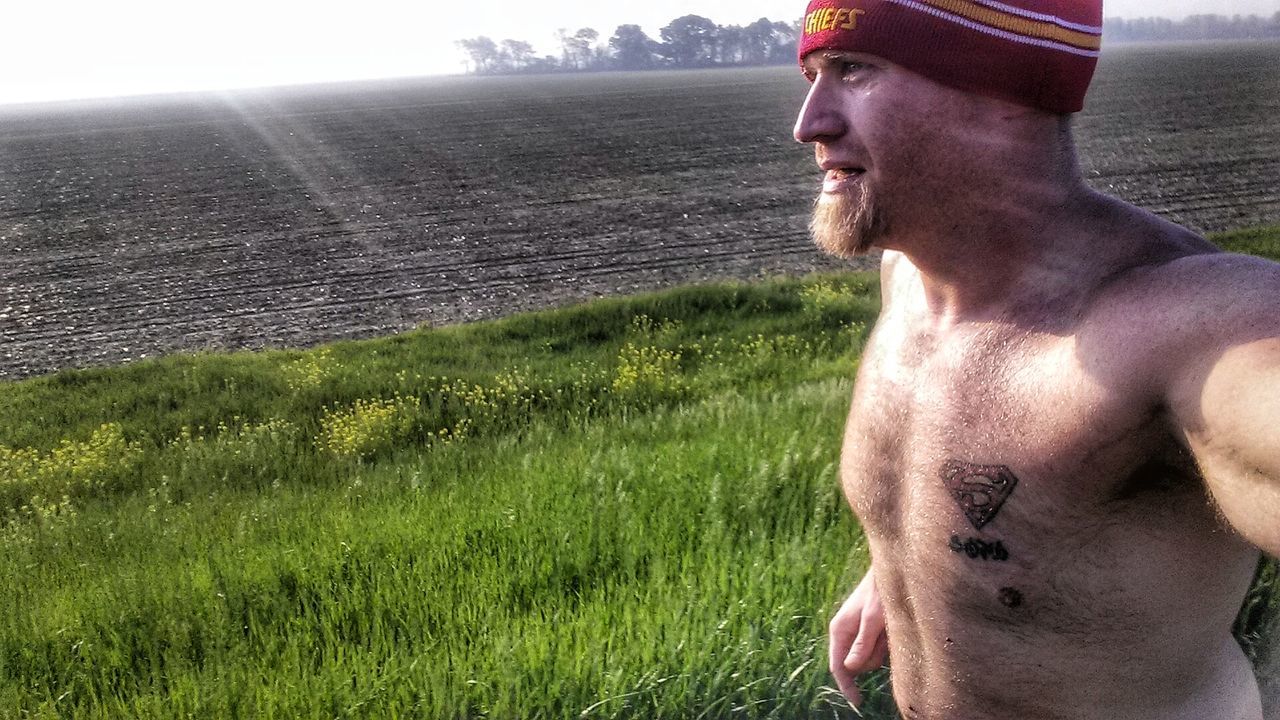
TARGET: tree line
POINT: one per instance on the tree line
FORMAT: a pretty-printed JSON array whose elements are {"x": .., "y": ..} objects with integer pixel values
[
  {"x": 694, "y": 41},
  {"x": 687, "y": 42},
  {"x": 1195, "y": 27}
]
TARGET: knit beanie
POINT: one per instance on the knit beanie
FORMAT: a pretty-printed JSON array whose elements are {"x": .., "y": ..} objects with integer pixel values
[{"x": 1038, "y": 53}]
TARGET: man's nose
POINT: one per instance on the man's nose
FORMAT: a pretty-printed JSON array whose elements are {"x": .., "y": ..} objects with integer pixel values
[{"x": 819, "y": 119}]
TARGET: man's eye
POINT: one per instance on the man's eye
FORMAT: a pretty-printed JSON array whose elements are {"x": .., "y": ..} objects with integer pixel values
[{"x": 850, "y": 68}]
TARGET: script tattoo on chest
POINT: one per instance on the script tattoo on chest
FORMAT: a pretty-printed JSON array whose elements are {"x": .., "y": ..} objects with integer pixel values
[
  {"x": 979, "y": 549},
  {"x": 979, "y": 490}
]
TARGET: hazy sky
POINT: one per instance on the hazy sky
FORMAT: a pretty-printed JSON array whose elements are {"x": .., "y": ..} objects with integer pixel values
[{"x": 85, "y": 48}]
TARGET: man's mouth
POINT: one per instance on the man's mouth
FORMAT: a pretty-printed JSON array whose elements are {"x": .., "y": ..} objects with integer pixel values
[{"x": 839, "y": 178}]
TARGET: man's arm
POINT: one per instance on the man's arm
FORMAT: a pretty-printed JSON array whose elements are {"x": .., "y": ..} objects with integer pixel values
[
  {"x": 1224, "y": 392},
  {"x": 1221, "y": 372},
  {"x": 1232, "y": 424}
]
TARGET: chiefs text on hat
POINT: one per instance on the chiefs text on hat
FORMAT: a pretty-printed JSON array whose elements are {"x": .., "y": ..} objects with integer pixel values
[{"x": 832, "y": 19}]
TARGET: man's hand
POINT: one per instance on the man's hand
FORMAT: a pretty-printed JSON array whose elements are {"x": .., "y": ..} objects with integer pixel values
[{"x": 859, "y": 643}]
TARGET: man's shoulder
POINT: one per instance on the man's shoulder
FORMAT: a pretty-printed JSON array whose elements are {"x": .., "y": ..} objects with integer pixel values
[
  {"x": 1200, "y": 291},
  {"x": 1164, "y": 317},
  {"x": 1167, "y": 269}
]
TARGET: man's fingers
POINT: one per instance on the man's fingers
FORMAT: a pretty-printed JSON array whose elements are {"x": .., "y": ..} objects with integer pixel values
[
  {"x": 848, "y": 687},
  {"x": 854, "y": 635},
  {"x": 842, "y": 633},
  {"x": 862, "y": 655},
  {"x": 847, "y": 682}
]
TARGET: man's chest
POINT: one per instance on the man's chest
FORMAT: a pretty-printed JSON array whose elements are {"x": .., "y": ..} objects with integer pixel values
[
  {"x": 1019, "y": 496},
  {"x": 979, "y": 439}
]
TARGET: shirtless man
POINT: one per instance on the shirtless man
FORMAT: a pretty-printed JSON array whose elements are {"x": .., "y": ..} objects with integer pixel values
[{"x": 1063, "y": 445}]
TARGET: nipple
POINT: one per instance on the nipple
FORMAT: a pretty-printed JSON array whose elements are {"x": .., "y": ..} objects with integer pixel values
[{"x": 1010, "y": 597}]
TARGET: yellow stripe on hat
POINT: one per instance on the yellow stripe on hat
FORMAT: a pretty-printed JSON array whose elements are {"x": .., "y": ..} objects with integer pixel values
[{"x": 1016, "y": 24}]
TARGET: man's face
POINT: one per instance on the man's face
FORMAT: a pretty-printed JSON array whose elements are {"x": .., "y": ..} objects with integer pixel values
[{"x": 880, "y": 133}]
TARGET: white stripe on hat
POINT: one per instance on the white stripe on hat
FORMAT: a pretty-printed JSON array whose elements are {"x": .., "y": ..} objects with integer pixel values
[{"x": 1015, "y": 37}]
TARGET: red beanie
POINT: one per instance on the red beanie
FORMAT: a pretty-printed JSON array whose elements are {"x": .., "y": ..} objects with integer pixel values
[{"x": 1039, "y": 53}]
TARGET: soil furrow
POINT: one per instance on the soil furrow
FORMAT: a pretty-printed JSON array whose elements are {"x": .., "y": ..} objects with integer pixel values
[{"x": 288, "y": 217}]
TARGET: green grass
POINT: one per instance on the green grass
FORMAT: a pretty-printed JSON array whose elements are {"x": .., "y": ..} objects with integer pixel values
[
  {"x": 1261, "y": 241},
  {"x": 627, "y": 562},
  {"x": 627, "y": 509}
]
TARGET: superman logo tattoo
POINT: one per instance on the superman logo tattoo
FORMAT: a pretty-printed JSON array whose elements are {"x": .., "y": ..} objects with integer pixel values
[{"x": 979, "y": 490}]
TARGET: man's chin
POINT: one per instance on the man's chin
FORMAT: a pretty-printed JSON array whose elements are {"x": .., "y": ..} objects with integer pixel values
[
  {"x": 845, "y": 228},
  {"x": 842, "y": 246}
]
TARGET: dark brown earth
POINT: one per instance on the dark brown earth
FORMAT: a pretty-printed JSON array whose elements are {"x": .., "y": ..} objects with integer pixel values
[{"x": 132, "y": 228}]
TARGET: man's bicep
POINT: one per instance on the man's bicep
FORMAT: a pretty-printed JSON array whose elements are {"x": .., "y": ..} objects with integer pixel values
[{"x": 1229, "y": 410}]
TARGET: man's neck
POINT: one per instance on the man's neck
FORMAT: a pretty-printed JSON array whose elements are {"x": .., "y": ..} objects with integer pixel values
[{"x": 1022, "y": 244}]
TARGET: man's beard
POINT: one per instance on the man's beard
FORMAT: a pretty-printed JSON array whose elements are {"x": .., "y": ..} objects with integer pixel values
[{"x": 845, "y": 227}]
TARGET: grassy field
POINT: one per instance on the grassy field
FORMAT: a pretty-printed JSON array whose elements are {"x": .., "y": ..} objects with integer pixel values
[{"x": 623, "y": 509}]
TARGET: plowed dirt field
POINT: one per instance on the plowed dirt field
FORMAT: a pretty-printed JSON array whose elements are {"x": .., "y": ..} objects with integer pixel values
[{"x": 288, "y": 217}]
